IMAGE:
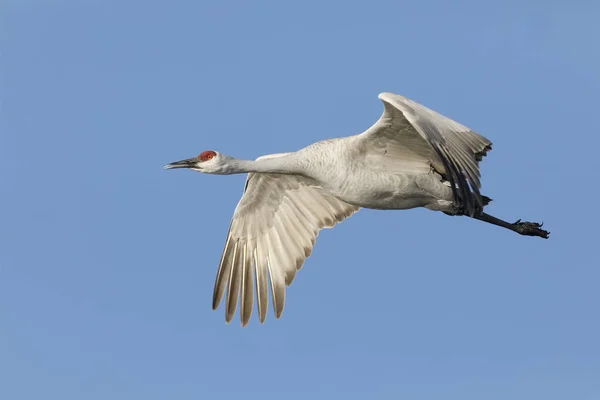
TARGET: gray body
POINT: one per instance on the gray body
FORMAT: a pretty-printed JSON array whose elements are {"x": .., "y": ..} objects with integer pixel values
[{"x": 411, "y": 157}]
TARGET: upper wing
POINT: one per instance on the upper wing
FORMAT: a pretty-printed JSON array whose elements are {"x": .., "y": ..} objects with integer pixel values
[
  {"x": 273, "y": 230},
  {"x": 410, "y": 137}
]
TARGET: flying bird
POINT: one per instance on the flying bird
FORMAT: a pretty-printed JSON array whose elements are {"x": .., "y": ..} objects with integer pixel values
[{"x": 411, "y": 157}]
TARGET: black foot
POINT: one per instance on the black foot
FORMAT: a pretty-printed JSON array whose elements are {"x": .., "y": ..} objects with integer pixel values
[{"x": 531, "y": 229}]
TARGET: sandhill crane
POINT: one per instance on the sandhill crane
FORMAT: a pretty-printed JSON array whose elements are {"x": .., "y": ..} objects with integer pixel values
[{"x": 411, "y": 157}]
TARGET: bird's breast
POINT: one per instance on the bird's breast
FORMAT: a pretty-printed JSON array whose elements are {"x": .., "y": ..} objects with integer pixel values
[
  {"x": 368, "y": 189},
  {"x": 338, "y": 169}
]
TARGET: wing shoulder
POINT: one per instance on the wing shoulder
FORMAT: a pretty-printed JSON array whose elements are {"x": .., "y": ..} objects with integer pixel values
[{"x": 433, "y": 140}]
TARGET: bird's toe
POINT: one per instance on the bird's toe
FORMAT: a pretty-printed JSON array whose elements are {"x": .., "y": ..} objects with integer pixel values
[{"x": 531, "y": 229}]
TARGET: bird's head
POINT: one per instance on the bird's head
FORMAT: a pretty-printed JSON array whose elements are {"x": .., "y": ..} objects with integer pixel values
[{"x": 209, "y": 162}]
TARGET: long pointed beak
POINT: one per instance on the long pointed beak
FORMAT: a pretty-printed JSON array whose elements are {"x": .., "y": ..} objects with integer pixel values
[{"x": 189, "y": 163}]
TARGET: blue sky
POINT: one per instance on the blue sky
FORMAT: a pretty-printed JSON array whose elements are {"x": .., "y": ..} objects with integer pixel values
[{"x": 107, "y": 262}]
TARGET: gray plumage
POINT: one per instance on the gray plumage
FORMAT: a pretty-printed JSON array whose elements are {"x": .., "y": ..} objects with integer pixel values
[{"x": 411, "y": 157}]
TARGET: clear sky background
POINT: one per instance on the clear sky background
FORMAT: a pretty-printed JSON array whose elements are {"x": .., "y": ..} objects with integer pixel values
[{"x": 107, "y": 261}]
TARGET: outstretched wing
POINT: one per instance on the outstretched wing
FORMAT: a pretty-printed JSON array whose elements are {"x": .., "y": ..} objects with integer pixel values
[
  {"x": 272, "y": 232},
  {"x": 420, "y": 138}
]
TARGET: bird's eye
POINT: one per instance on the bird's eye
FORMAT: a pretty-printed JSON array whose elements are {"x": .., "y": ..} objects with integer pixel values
[{"x": 207, "y": 155}]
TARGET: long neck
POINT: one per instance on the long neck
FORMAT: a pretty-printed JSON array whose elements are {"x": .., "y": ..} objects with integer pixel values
[{"x": 287, "y": 164}]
